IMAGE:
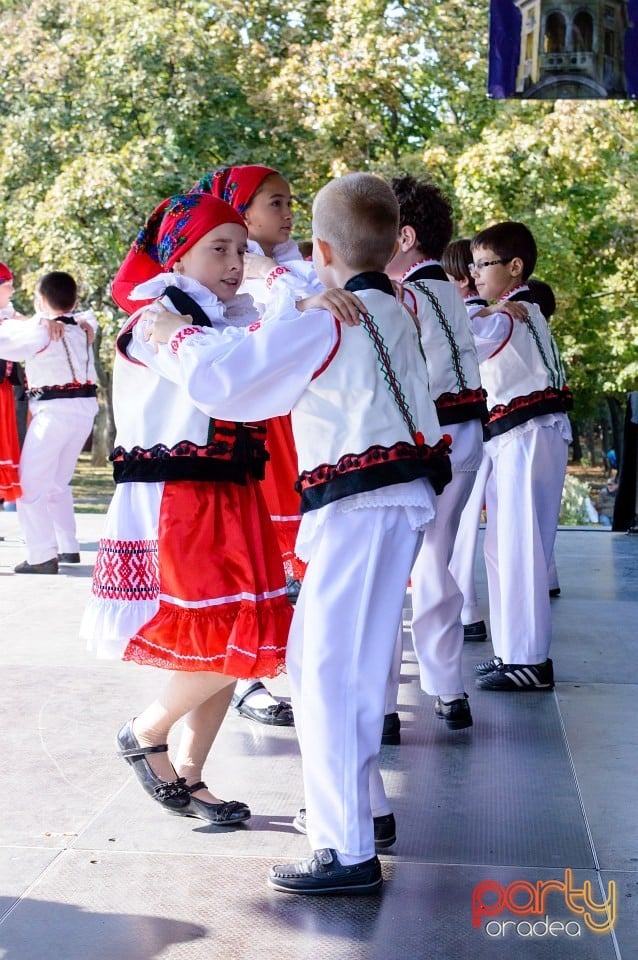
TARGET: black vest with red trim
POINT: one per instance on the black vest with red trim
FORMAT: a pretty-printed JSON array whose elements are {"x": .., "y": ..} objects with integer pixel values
[
  {"x": 162, "y": 436},
  {"x": 524, "y": 377}
]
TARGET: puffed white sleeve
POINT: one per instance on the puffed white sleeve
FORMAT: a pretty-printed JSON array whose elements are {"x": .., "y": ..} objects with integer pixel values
[
  {"x": 21, "y": 339},
  {"x": 490, "y": 332},
  {"x": 249, "y": 373},
  {"x": 88, "y": 317},
  {"x": 296, "y": 278}
]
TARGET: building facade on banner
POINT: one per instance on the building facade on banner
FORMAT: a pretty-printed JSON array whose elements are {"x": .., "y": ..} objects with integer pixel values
[{"x": 572, "y": 49}]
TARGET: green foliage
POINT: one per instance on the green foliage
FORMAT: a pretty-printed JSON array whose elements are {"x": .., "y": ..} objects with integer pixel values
[
  {"x": 109, "y": 106},
  {"x": 573, "y": 511}
]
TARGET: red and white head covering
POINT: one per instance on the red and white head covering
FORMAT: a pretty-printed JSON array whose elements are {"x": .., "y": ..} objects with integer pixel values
[
  {"x": 173, "y": 227},
  {"x": 235, "y": 185},
  {"x": 5, "y": 273}
]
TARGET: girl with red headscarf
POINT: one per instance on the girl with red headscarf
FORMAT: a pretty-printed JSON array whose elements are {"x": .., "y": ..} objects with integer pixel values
[
  {"x": 188, "y": 574},
  {"x": 264, "y": 199}
]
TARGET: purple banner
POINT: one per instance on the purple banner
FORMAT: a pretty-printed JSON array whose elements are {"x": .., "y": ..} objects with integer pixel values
[{"x": 555, "y": 49}]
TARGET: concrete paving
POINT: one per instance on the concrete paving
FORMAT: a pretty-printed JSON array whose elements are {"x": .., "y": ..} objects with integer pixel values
[{"x": 543, "y": 784}]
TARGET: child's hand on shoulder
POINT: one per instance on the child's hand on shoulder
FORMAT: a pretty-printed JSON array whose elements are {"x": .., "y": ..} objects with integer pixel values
[
  {"x": 160, "y": 324},
  {"x": 513, "y": 308},
  {"x": 257, "y": 267},
  {"x": 342, "y": 304},
  {"x": 55, "y": 328},
  {"x": 88, "y": 329}
]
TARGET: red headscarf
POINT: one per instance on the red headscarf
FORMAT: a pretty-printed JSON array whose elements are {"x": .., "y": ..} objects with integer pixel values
[
  {"x": 172, "y": 228},
  {"x": 5, "y": 273},
  {"x": 235, "y": 185}
]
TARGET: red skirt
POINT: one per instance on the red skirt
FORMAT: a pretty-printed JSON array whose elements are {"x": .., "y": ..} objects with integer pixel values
[
  {"x": 282, "y": 499},
  {"x": 223, "y": 604},
  {"x": 9, "y": 446}
]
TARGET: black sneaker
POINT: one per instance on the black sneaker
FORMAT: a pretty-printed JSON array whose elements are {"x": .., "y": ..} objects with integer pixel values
[
  {"x": 475, "y": 631},
  {"x": 519, "y": 676},
  {"x": 391, "y": 736},
  {"x": 488, "y": 666},
  {"x": 323, "y": 873},
  {"x": 385, "y": 828},
  {"x": 456, "y": 714}
]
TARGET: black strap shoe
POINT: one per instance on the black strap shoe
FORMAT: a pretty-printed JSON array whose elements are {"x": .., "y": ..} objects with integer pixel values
[
  {"x": 172, "y": 794},
  {"x": 324, "y": 874},
  {"x": 227, "y": 813},
  {"x": 277, "y": 714}
]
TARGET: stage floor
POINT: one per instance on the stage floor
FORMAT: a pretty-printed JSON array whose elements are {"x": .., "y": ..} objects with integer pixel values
[{"x": 542, "y": 787}]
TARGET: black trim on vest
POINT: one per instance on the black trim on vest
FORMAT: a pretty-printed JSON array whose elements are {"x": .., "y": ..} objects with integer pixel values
[
  {"x": 186, "y": 468},
  {"x": 65, "y": 319},
  {"x": 524, "y": 295},
  {"x": 433, "y": 271},
  {"x": 522, "y": 414},
  {"x": 437, "y": 470},
  {"x": 70, "y": 392},
  {"x": 370, "y": 280},
  {"x": 463, "y": 413},
  {"x": 475, "y": 302}
]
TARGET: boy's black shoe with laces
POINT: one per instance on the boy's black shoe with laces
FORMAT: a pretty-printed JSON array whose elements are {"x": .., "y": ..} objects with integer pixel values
[
  {"x": 487, "y": 666},
  {"x": 518, "y": 677},
  {"x": 323, "y": 873}
]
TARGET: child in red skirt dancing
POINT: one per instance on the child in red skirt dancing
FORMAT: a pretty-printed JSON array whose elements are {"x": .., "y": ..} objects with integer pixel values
[
  {"x": 188, "y": 574},
  {"x": 10, "y": 489}
]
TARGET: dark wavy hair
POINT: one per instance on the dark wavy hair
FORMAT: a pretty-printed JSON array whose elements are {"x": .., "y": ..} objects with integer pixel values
[{"x": 424, "y": 207}]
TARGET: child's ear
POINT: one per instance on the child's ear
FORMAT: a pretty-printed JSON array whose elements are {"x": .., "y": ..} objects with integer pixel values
[
  {"x": 325, "y": 252},
  {"x": 516, "y": 267},
  {"x": 407, "y": 238}
]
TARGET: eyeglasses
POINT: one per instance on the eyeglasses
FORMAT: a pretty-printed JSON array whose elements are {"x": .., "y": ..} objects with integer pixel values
[{"x": 477, "y": 267}]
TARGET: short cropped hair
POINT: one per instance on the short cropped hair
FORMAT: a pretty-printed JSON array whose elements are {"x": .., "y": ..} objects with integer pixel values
[
  {"x": 359, "y": 216},
  {"x": 58, "y": 289},
  {"x": 543, "y": 295},
  {"x": 508, "y": 240},
  {"x": 456, "y": 258},
  {"x": 426, "y": 209}
]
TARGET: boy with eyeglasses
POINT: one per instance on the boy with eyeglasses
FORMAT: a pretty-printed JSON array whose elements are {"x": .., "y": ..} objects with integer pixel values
[{"x": 527, "y": 436}]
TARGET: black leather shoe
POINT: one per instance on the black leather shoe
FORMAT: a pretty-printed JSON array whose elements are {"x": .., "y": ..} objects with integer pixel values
[
  {"x": 554, "y": 592},
  {"x": 47, "y": 567},
  {"x": 475, "y": 631},
  {"x": 456, "y": 714},
  {"x": 172, "y": 794},
  {"x": 385, "y": 828},
  {"x": 278, "y": 714},
  {"x": 322, "y": 873},
  {"x": 391, "y": 735},
  {"x": 224, "y": 814},
  {"x": 69, "y": 558},
  {"x": 293, "y": 587}
]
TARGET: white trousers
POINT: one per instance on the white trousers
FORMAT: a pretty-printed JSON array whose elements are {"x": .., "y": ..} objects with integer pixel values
[
  {"x": 522, "y": 495},
  {"x": 339, "y": 653},
  {"x": 466, "y": 541},
  {"x": 52, "y": 445}
]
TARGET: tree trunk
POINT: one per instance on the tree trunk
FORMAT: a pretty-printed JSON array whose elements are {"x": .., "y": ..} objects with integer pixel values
[
  {"x": 617, "y": 417},
  {"x": 577, "y": 450},
  {"x": 104, "y": 426}
]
